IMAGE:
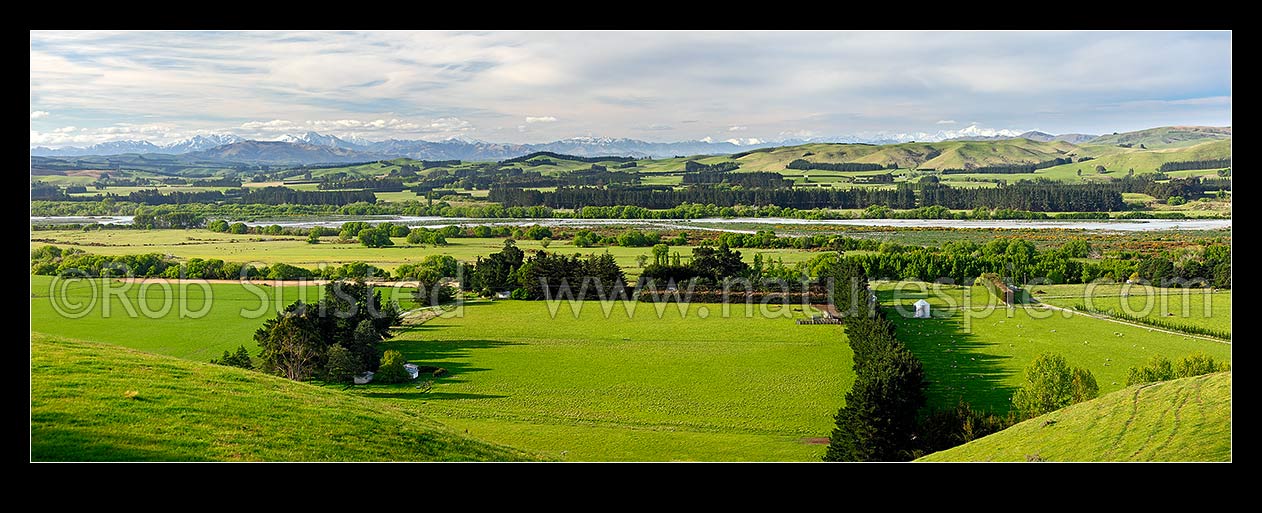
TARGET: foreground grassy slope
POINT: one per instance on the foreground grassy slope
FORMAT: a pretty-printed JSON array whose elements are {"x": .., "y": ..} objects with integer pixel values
[
  {"x": 1182, "y": 420},
  {"x": 98, "y": 402}
]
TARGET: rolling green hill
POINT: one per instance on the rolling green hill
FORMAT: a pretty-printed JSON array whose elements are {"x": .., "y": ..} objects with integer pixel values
[
  {"x": 1166, "y": 144},
  {"x": 1166, "y": 136},
  {"x": 1186, "y": 419},
  {"x": 1120, "y": 160},
  {"x": 99, "y": 402},
  {"x": 940, "y": 155}
]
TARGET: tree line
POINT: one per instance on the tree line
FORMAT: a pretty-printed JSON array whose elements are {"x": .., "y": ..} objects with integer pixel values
[
  {"x": 757, "y": 179},
  {"x": 1195, "y": 164},
  {"x": 1009, "y": 168},
  {"x": 693, "y": 166},
  {"x": 369, "y": 184},
  {"x": 659, "y": 198}
]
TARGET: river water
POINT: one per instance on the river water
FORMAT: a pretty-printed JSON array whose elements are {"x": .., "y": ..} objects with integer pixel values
[{"x": 739, "y": 224}]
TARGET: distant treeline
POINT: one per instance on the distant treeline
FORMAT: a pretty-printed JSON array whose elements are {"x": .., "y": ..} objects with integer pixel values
[
  {"x": 492, "y": 176},
  {"x": 426, "y": 164},
  {"x": 371, "y": 184},
  {"x": 1032, "y": 196},
  {"x": 747, "y": 180},
  {"x": 652, "y": 198},
  {"x": 281, "y": 195},
  {"x": 693, "y": 166},
  {"x": 1002, "y": 169},
  {"x": 562, "y": 156},
  {"x": 1195, "y": 164},
  {"x": 842, "y": 166},
  {"x": 1036, "y": 197}
]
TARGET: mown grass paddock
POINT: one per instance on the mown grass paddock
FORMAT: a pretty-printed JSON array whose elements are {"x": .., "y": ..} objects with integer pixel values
[
  {"x": 690, "y": 384},
  {"x": 978, "y": 353}
]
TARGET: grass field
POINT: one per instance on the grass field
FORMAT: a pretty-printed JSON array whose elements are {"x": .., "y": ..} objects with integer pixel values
[
  {"x": 980, "y": 358},
  {"x": 638, "y": 387},
  {"x": 102, "y": 402},
  {"x": 683, "y": 386},
  {"x": 292, "y": 250},
  {"x": 1186, "y": 419},
  {"x": 154, "y": 324},
  {"x": 1197, "y": 307}
]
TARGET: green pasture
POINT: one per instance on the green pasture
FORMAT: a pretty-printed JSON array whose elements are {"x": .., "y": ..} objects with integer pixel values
[
  {"x": 977, "y": 351},
  {"x": 103, "y": 402},
  {"x": 1185, "y": 419}
]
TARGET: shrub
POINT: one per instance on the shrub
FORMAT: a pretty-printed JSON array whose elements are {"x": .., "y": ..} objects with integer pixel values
[
  {"x": 375, "y": 238},
  {"x": 1051, "y": 384},
  {"x": 391, "y": 369},
  {"x": 241, "y": 359},
  {"x": 1197, "y": 364}
]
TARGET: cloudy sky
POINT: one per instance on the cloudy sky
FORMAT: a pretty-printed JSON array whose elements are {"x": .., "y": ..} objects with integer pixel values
[{"x": 90, "y": 87}]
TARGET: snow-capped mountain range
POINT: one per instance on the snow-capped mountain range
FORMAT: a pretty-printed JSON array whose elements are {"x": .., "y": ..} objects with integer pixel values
[
  {"x": 192, "y": 144},
  {"x": 314, "y": 147}
]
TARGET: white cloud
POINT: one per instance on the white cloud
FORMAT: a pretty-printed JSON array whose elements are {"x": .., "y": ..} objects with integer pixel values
[
  {"x": 275, "y": 125},
  {"x": 945, "y": 122},
  {"x": 608, "y": 84},
  {"x": 449, "y": 125},
  {"x": 796, "y": 134},
  {"x": 737, "y": 128},
  {"x": 744, "y": 142},
  {"x": 707, "y": 139}
]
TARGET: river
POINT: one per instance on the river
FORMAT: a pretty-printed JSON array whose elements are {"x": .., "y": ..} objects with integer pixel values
[{"x": 739, "y": 224}]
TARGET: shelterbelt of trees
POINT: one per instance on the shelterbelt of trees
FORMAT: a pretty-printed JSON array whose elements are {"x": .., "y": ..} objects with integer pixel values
[
  {"x": 1036, "y": 196},
  {"x": 712, "y": 262}
]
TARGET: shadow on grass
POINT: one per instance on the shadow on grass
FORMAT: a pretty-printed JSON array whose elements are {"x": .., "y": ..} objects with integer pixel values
[
  {"x": 452, "y": 355},
  {"x": 430, "y": 396},
  {"x": 958, "y": 366}
]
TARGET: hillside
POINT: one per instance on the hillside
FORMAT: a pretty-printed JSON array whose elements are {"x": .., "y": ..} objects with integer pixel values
[
  {"x": 1166, "y": 136},
  {"x": 1182, "y": 420},
  {"x": 99, "y": 402},
  {"x": 940, "y": 155},
  {"x": 1120, "y": 160}
]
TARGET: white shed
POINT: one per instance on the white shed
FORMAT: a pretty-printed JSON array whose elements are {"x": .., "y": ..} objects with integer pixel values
[
  {"x": 922, "y": 309},
  {"x": 364, "y": 378},
  {"x": 412, "y": 369}
]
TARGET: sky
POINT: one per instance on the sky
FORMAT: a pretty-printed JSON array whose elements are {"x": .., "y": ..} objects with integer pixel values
[{"x": 521, "y": 87}]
